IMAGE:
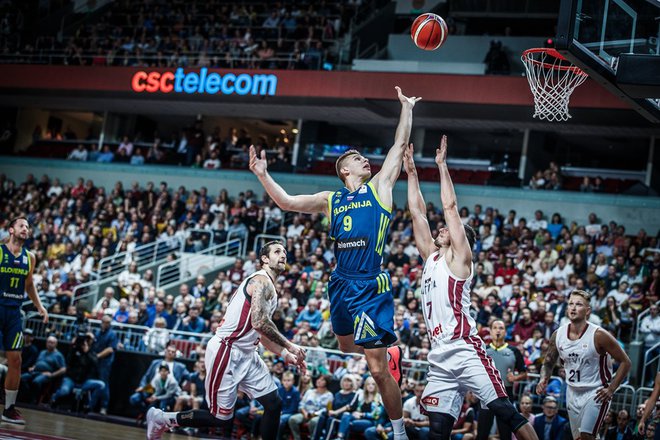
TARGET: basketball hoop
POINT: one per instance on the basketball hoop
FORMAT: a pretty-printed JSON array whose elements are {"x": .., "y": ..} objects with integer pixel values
[{"x": 552, "y": 79}]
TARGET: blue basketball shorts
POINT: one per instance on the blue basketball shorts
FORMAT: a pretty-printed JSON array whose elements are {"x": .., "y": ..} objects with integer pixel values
[
  {"x": 364, "y": 308},
  {"x": 11, "y": 328}
]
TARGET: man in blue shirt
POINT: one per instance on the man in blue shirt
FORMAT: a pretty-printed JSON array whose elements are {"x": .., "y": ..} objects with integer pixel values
[
  {"x": 50, "y": 365},
  {"x": 311, "y": 314},
  {"x": 549, "y": 425},
  {"x": 290, "y": 401},
  {"x": 105, "y": 346}
]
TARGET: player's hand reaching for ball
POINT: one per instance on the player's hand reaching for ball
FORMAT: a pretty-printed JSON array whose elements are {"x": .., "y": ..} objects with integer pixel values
[
  {"x": 409, "y": 160},
  {"x": 258, "y": 165},
  {"x": 441, "y": 153},
  {"x": 406, "y": 100}
]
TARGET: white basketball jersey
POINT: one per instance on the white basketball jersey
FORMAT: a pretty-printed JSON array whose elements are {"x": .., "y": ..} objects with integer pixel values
[
  {"x": 446, "y": 301},
  {"x": 236, "y": 326},
  {"x": 585, "y": 367}
]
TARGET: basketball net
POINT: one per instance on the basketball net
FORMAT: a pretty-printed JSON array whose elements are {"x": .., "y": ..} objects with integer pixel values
[{"x": 552, "y": 79}]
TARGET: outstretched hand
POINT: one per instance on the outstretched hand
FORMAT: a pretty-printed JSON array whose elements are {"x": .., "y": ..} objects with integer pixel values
[
  {"x": 406, "y": 100},
  {"x": 441, "y": 153},
  {"x": 409, "y": 160},
  {"x": 258, "y": 165}
]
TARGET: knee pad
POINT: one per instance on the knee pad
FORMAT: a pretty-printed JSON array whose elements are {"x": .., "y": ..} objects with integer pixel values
[
  {"x": 441, "y": 425},
  {"x": 506, "y": 413}
]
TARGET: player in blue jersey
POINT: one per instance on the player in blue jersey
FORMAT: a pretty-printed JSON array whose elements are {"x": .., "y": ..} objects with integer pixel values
[
  {"x": 16, "y": 267},
  {"x": 361, "y": 302}
]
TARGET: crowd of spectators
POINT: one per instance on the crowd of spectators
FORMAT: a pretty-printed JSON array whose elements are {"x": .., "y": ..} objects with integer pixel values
[
  {"x": 523, "y": 271},
  {"x": 221, "y": 34},
  {"x": 190, "y": 147}
]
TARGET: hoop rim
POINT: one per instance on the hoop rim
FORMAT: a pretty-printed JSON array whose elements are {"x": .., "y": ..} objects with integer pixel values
[{"x": 553, "y": 53}]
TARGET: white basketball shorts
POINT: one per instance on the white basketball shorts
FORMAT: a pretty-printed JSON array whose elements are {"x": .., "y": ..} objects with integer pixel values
[
  {"x": 456, "y": 367},
  {"x": 228, "y": 370},
  {"x": 584, "y": 413}
]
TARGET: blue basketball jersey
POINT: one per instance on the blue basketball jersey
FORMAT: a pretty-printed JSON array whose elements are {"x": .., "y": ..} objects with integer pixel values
[
  {"x": 359, "y": 223},
  {"x": 14, "y": 271}
]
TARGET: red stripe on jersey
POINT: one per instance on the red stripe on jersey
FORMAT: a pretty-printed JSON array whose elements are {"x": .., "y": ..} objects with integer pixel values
[
  {"x": 487, "y": 362},
  {"x": 220, "y": 357},
  {"x": 601, "y": 416},
  {"x": 244, "y": 325},
  {"x": 455, "y": 289}
]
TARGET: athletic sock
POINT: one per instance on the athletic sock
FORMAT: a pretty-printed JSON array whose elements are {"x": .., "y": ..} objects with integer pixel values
[
  {"x": 397, "y": 428},
  {"x": 10, "y": 398},
  {"x": 197, "y": 418}
]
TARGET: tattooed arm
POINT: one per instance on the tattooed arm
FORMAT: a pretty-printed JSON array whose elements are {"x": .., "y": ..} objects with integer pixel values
[
  {"x": 261, "y": 290},
  {"x": 549, "y": 363}
]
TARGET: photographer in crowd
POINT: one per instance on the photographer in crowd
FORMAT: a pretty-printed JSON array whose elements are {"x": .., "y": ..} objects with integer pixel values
[{"x": 81, "y": 372}]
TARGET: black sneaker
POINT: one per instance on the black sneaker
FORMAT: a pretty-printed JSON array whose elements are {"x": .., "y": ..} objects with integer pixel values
[{"x": 12, "y": 415}]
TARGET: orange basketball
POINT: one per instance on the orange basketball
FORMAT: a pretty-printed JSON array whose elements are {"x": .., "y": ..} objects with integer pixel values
[{"x": 429, "y": 31}]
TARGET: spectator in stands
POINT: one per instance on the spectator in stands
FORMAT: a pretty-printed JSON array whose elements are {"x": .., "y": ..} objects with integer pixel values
[
  {"x": 549, "y": 425},
  {"x": 367, "y": 412},
  {"x": 105, "y": 155},
  {"x": 81, "y": 373},
  {"x": 195, "y": 398},
  {"x": 311, "y": 315},
  {"x": 524, "y": 327},
  {"x": 290, "y": 401},
  {"x": 497, "y": 62},
  {"x": 177, "y": 370},
  {"x": 312, "y": 403},
  {"x": 464, "y": 426},
  {"x": 193, "y": 323},
  {"x": 50, "y": 366},
  {"x": 166, "y": 389},
  {"x": 79, "y": 153},
  {"x": 125, "y": 150},
  {"x": 156, "y": 338},
  {"x": 104, "y": 346},
  {"x": 549, "y": 325},
  {"x": 128, "y": 277},
  {"x": 344, "y": 400},
  {"x": 29, "y": 352},
  {"x": 621, "y": 431},
  {"x": 415, "y": 420},
  {"x": 184, "y": 296}
]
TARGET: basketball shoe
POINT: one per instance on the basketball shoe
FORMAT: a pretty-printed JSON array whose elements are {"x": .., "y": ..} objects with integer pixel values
[
  {"x": 12, "y": 415},
  {"x": 394, "y": 357},
  {"x": 156, "y": 424}
]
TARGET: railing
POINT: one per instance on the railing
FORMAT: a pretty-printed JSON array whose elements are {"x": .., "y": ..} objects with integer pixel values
[
  {"x": 131, "y": 337},
  {"x": 86, "y": 293},
  {"x": 187, "y": 266},
  {"x": 641, "y": 395},
  {"x": 142, "y": 255},
  {"x": 232, "y": 236},
  {"x": 260, "y": 239},
  {"x": 624, "y": 398},
  {"x": 528, "y": 387},
  {"x": 648, "y": 360}
]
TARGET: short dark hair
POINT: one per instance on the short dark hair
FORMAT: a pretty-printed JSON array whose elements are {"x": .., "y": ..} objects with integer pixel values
[
  {"x": 340, "y": 162},
  {"x": 13, "y": 221},
  {"x": 470, "y": 234},
  {"x": 265, "y": 249}
]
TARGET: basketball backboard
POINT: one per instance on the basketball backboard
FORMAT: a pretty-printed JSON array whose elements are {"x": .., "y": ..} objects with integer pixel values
[{"x": 597, "y": 35}]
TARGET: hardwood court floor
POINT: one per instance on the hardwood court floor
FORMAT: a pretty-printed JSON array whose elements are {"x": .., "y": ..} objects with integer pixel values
[{"x": 57, "y": 426}]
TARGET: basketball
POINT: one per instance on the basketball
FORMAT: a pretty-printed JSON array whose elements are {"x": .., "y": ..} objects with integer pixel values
[{"x": 429, "y": 31}]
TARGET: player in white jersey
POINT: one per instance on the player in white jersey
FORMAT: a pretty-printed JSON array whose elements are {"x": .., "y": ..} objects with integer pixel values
[
  {"x": 232, "y": 362},
  {"x": 457, "y": 361},
  {"x": 585, "y": 350}
]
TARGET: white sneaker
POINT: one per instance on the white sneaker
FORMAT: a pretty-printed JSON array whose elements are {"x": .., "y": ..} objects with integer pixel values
[{"x": 156, "y": 424}]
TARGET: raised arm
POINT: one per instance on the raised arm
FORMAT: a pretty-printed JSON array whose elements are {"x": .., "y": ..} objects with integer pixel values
[
  {"x": 417, "y": 207},
  {"x": 605, "y": 343},
  {"x": 549, "y": 363},
  {"x": 385, "y": 179},
  {"x": 261, "y": 290},
  {"x": 309, "y": 204},
  {"x": 460, "y": 246}
]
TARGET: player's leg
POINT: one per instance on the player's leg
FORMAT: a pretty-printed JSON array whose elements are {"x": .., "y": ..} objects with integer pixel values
[
  {"x": 443, "y": 396},
  {"x": 440, "y": 425},
  {"x": 388, "y": 388},
  {"x": 270, "y": 421},
  {"x": 485, "y": 423},
  {"x": 12, "y": 341},
  {"x": 592, "y": 415},
  {"x": 341, "y": 318},
  {"x": 478, "y": 373}
]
